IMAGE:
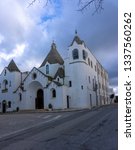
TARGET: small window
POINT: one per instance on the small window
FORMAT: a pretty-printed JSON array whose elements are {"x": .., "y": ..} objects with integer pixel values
[
  {"x": 91, "y": 64},
  {"x": 75, "y": 54},
  {"x": 93, "y": 83},
  {"x": 84, "y": 54},
  {"x": 5, "y": 83},
  {"x": 95, "y": 68},
  {"x": 9, "y": 104},
  {"x": 34, "y": 76},
  {"x": 89, "y": 79},
  {"x": 53, "y": 93},
  {"x": 88, "y": 61},
  {"x": 82, "y": 87},
  {"x": 5, "y": 72},
  {"x": 70, "y": 83},
  {"x": 47, "y": 69},
  {"x": 20, "y": 96},
  {"x": 98, "y": 71}
]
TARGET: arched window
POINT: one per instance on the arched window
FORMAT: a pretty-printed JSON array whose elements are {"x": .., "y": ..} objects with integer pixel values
[
  {"x": 5, "y": 83},
  {"x": 47, "y": 69},
  {"x": 91, "y": 64},
  {"x": 5, "y": 72},
  {"x": 95, "y": 68},
  {"x": 53, "y": 93},
  {"x": 20, "y": 96},
  {"x": 84, "y": 53},
  {"x": 70, "y": 83},
  {"x": 9, "y": 104},
  {"x": 34, "y": 76},
  {"x": 88, "y": 61},
  {"x": 75, "y": 54},
  {"x": 89, "y": 79}
]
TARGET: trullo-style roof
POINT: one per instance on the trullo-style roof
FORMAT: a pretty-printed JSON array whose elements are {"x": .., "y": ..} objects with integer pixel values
[
  {"x": 53, "y": 56},
  {"x": 12, "y": 66}
]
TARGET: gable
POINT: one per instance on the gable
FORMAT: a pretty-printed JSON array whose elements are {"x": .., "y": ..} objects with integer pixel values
[{"x": 34, "y": 74}]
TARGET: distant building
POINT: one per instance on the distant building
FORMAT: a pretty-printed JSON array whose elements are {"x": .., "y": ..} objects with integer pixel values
[
  {"x": 111, "y": 95},
  {"x": 79, "y": 81}
]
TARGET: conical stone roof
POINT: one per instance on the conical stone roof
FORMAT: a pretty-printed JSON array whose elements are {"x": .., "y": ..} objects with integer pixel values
[
  {"x": 77, "y": 40},
  {"x": 60, "y": 72},
  {"x": 53, "y": 56},
  {"x": 12, "y": 66}
]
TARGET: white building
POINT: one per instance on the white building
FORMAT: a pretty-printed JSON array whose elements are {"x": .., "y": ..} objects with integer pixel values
[{"x": 79, "y": 81}]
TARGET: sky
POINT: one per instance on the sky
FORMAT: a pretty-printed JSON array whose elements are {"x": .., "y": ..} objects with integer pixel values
[{"x": 26, "y": 32}]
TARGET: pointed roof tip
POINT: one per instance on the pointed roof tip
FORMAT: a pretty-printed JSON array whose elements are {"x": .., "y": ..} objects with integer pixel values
[
  {"x": 77, "y": 39},
  {"x": 53, "y": 46},
  {"x": 53, "y": 56},
  {"x": 12, "y": 66}
]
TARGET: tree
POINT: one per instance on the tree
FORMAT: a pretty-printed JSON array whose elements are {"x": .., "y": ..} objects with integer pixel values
[{"x": 82, "y": 4}]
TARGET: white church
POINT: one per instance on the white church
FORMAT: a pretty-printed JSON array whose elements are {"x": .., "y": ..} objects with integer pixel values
[{"x": 78, "y": 81}]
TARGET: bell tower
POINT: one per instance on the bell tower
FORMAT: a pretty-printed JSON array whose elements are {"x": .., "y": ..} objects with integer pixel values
[{"x": 77, "y": 72}]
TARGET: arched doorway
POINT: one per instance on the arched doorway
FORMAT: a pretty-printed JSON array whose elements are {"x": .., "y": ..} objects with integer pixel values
[
  {"x": 39, "y": 101},
  {"x": 4, "y": 106}
]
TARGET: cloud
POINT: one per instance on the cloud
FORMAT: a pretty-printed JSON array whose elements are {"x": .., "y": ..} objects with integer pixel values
[
  {"x": 32, "y": 29},
  {"x": 17, "y": 52}
]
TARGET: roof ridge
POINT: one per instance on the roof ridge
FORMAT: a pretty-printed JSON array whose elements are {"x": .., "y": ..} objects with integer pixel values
[{"x": 37, "y": 70}]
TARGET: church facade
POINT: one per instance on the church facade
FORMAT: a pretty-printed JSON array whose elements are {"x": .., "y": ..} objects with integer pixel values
[{"x": 78, "y": 81}]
